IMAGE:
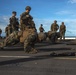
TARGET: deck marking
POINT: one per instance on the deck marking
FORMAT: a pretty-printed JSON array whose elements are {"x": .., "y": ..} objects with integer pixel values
[
  {"x": 15, "y": 56},
  {"x": 65, "y": 58}
]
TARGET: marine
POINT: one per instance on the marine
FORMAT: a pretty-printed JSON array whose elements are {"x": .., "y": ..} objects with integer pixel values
[
  {"x": 12, "y": 38},
  {"x": 54, "y": 26},
  {"x": 29, "y": 35},
  {"x": 53, "y": 34},
  {"x": 6, "y": 31},
  {"x": 41, "y": 29},
  {"x": 62, "y": 31},
  {"x": 0, "y": 32},
  {"x": 25, "y": 18},
  {"x": 9, "y": 29},
  {"x": 14, "y": 22},
  {"x": 41, "y": 34}
]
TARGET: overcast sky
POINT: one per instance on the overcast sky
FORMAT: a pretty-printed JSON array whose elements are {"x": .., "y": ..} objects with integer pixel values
[{"x": 43, "y": 11}]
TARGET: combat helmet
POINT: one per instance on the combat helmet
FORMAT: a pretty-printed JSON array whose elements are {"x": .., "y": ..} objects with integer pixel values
[
  {"x": 41, "y": 24},
  {"x": 55, "y": 20},
  {"x": 28, "y": 8},
  {"x": 62, "y": 22},
  {"x": 14, "y": 12}
]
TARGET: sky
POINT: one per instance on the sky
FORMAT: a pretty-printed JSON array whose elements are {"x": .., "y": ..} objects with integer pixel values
[{"x": 43, "y": 12}]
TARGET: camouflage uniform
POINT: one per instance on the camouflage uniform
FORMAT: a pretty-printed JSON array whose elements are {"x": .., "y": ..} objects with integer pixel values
[
  {"x": 29, "y": 35},
  {"x": 54, "y": 26},
  {"x": 25, "y": 20},
  {"x": 12, "y": 38},
  {"x": 9, "y": 29},
  {"x": 41, "y": 29},
  {"x": 14, "y": 22},
  {"x": 6, "y": 31},
  {"x": 0, "y": 32},
  {"x": 41, "y": 34},
  {"x": 62, "y": 31},
  {"x": 29, "y": 39}
]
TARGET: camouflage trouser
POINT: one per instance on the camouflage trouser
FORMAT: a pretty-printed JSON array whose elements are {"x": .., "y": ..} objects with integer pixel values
[
  {"x": 41, "y": 36},
  {"x": 13, "y": 28},
  {"x": 29, "y": 44},
  {"x": 9, "y": 32},
  {"x": 22, "y": 27},
  {"x": 10, "y": 39},
  {"x": 55, "y": 30},
  {"x": 62, "y": 35}
]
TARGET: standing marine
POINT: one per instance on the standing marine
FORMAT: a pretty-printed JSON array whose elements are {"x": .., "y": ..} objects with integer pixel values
[
  {"x": 0, "y": 32},
  {"x": 9, "y": 29},
  {"x": 25, "y": 19},
  {"x": 41, "y": 29},
  {"x": 41, "y": 34},
  {"x": 6, "y": 31},
  {"x": 62, "y": 31},
  {"x": 14, "y": 22},
  {"x": 54, "y": 26}
]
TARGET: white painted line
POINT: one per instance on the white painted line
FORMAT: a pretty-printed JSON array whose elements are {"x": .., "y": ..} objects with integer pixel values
[
  {"x": 68, "y": 38},
  {"x": 15, "y": 56},
  {"x": 66, "y": 58},
  {"x": 60, "y": 58}
]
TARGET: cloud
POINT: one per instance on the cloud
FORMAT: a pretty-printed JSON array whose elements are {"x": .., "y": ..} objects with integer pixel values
[
  {"x": 4, "y": 19},
  {"x": 68, "y": 13},
  {"x": 72, "y": 1},
  {"x": 64, "y": 12}
]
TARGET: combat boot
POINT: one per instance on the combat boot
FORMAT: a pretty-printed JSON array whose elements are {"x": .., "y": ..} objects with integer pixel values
[
  {"x": 1, "y": 45},
  {"x": 33, "y": 51},
  {"x": 26, "y": 50}
]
